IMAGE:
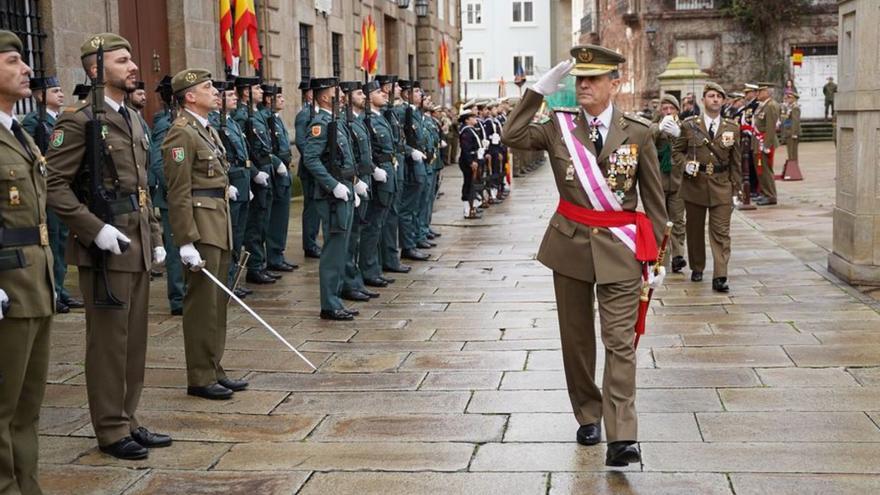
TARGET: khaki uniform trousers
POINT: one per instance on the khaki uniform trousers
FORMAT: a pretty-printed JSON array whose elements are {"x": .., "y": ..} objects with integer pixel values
[
  {"x": 719, "y": 236},
  {"x": 204, "y": 319},
  {"x": 675, "y": 212},
  {"x": 791, "y": 146},
  {"x": 765, "y": 178},
  {"x": 618, "y": 311},
  {"x": 116, "y": 350},
  {"x": 24, "y": 362}
]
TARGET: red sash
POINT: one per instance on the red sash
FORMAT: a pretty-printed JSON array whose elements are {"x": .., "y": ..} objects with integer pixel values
[{"x": 646, "y": 243}]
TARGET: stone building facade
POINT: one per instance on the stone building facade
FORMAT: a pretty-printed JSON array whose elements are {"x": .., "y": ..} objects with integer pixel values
[
  {"x": 299, "y": 37},
  {"x": 650, "y": 33}
]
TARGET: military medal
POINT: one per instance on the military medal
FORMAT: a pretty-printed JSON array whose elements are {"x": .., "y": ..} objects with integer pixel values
[
  {"x": 42, "y": 166},
  {"x": 14, "y": 197},
  {"x": 594, "y": 133},
  {"x": 569, "y": 172},
  {"x": 210, "y": 170}
]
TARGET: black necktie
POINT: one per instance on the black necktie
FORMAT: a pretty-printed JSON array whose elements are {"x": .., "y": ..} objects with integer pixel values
[
  {"x": 712, "y": 130},
  {"x": 19, "y": 134},
  {"x": 595, "y": 124},
  {"x": 125, "y": 115}
]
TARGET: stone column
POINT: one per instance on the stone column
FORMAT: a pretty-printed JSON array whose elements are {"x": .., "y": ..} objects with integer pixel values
[{"x": 856, "y": 249}]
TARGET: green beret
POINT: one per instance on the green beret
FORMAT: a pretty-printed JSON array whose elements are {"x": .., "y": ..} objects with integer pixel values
[
  {"x": 671, "y": 99},
  {"x": 9, "y": 42},
  {"x": 188, "y": 78},
  {"x": 594, "y": 60},
  {"x": 712, "y": 86},
  {"x": 111, "y": 42}
]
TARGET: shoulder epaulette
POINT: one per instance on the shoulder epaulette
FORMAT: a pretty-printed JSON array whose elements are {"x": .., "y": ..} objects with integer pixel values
[
  {"x": 566, "y": 109},
  {"x": 691, "y": 118},
  {"x": 730, "y": 121},
  {"x": 543, "y": 120},
  {"x": 635, "y": 118},
  {"x": 79, "y": 107},
  {"x": 180, "y": 121}
]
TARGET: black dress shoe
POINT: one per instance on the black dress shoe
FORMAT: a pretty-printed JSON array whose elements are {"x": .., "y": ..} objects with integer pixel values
[
  {"x": 60, "y": 307},
  {"x": 720, "y": 284},
  {"x": 246, "y": 291},
  {"x": 239, "y": 293},
  {"x": 312, "y": 253},
  {"x": 291, "y": 265},
  {"x": 387, "y": 280},
  {"x": 214, "y": 391},
  {"x": 176, "y": 311},
  {"x": 74, "y": 303},
  {"x": 336, "y": 314},
  {"x": 678, "y": 263},
  {"x": 424, "y": 245},
  {"x": 259, "y": 278},
  {"x": 352, "y": 311},
  {"x": 126, "y": 449},
  {"x": 430, "y": 236},
  {"x": 369, "y": 293},
  {"x": 590, "y": 434},
  {"x": 281, "y": 268},
  {"x": 435, "y": 233},
  {"x": 155, "y": 274},
  {"x": 232, "y": 384},
  {"x": 147, "y": 438},
  {"x": 275, "y": 275},
  {"x": 622, "y": 454},
  {"x": 765, "y": 201},
  {"x": 375, "y": 282},
  {"x": 696, "y": 276},
  {"x": 414, "y": 254},
  {"x": 354, "y": 295},
  {"x": 397, "y": 269}
]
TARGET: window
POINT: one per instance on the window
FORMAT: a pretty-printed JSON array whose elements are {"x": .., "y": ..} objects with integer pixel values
[
  {"x": 475, "y": 68},
  {"x": 336, "y": 47},
  {"x": 700, "y": 49},
  {"x": 441, "y": 9},
  {"x": 526, "y": 62},
  {"x": 22, "y": 18},
  {"x": 694, "y": 4},
  {"x": 305, "y": 42},
  {"x": 523, "y": 12},
  {"x": 473, "y": 14}
]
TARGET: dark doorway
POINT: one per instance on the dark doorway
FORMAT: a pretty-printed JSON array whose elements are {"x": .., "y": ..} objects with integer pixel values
[{"x": 144, "y": 23}]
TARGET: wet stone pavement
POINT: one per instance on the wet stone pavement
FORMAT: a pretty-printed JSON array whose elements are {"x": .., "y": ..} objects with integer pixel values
[{"x": 451, "y": 381}]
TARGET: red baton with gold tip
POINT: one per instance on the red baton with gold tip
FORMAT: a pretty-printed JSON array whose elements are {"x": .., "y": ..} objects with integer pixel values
[{"x": 647, "y": 291}]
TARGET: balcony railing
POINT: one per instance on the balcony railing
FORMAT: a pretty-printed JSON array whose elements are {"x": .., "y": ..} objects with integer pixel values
[{"x": 694, "y": 4}]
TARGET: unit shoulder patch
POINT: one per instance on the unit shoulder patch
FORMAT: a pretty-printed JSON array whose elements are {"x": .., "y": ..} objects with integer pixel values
[
  {"x": 178, "y": 154},
  {"x": 317, "y": 129},
  {"x": 635, "y": 118}
]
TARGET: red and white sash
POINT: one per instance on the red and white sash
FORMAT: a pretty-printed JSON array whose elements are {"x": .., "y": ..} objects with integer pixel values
[{"x": 592, "y": 180}]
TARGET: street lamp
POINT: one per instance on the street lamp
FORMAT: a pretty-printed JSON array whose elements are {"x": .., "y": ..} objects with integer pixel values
[
  {"x": 403, "y": 4},
  {"x": 422, "y": 8}
]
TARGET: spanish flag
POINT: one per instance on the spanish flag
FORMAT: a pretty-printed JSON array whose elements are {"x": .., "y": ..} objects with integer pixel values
[
  {"x": 226, "y": 32},
  {"x": 369, "y": 46},
  {"x": 246, "y": 22},
  {"x": 444, "y": 71}
]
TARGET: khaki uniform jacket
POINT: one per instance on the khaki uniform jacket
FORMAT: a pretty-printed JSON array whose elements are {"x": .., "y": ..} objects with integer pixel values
[
  {"x": 717, "y": 188},
  {"x": 23, "y": 205},
  {"x": 766, "y": 116},
  {"x": 672, "y": 180},
  {"x": 195, "y": 159},
  {"x": 129, "y": 150},
  {"x": 791, "y": 122},
  {"x": 572, "y": 249}
]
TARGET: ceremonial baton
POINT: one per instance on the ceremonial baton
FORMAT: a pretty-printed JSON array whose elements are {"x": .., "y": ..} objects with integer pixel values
[
  {"x": 255, "y": 315},
  {"x": 648, "y": 291}
]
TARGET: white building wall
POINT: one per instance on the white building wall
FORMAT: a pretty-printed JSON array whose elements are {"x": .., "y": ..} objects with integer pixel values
[{"x": 495, "y": 42}]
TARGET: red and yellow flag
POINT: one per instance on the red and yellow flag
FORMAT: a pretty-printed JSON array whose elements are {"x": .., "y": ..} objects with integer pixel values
[
  {"x": 444, "y": 70},
  {"x": 369, "y": 46},
  {"x": 246, "y": 22},
  {"x": 226, "y": 32}
]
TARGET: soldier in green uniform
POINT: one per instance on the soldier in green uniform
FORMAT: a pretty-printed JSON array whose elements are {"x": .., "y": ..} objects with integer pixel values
[
  {"x": 27, "y": 297},
  {"x": 433, "y": 165},
  {"x": 260, "y": 148},
  {"x": 389, "y": 251},
  {"x": 49, "y": 95},
  {"x": 279, "y": 217},
  {"x": 791, "y": 125},
  {"x": 311, "y": 223},
  {"x": 353, "y": 287},
  {"x": 327, "y": 154},
  {"x": 240, "y": 175},
  {"x": 766, "y": 116},
  {"x": 158, "y": 193},
  {"x": 665, "y": 131},
  {"x": 116, "y": 332},
  {"x": 198, "y": 187},
  {"x": 415, "y": 170}
]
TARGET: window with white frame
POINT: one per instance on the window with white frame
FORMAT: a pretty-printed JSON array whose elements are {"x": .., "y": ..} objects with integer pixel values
[
  {"x": 441, "y": 9},
  {"x": 473, "y": 14},
  {"x": 475, "y": 68},
  {"x": 702, "y": 50},
  {"x": 523, "y": 12},
  {"x": 524, "y": 62}
]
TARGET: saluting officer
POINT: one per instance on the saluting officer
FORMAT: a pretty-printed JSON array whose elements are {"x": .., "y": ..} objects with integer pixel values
[
  {"x": 198, "y": 187},
  {"x": 599, "y": 155},
  {"x": 27, "y": 298},
  {"x": 311, "y": 223},
  {"x": 708, "y": 151},
  {"x": 116, "y": 335},
  {"x": 665, "y": 132},
  {"x": 334, "y": 176}
]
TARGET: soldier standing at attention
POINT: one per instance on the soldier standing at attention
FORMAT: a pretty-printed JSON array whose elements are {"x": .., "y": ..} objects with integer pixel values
[
  {"x": 389, "y": 252},
  {"x": 469, "y": 161},
  {"x": 766, "y": 116},
  {"x": 311, "y": 223},
  {"x": 415, "y": 175},
  {"x": 116, "y": 333},
  {"x": 828, "y": 90},
  {"x": 598, "y": 155},
  {"x": 665, "y": 132},
  {"x": 279, "y": 217},
  {"x": 198, "y": 189},
  {"x": 48, "y": 93},
  {"x": 791, "y": 125},
  {"x": 328, "y": 157},
  {"x": 708, "y": 151},
  {"x": 27, "y": 298}
]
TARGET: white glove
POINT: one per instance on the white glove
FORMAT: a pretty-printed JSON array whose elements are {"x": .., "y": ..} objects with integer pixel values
[
  {"x": 656, "y": 281},
  {"x": 3, "y": 299},
  {"x": 340, "y": 191},
  {"x": 765, "y": 150},
  {"x": 232, "y": 193},
  {"x": 690, "y": 168},
  {"x": 444, "y": 144},
  {"x": 357, "y": 200},
  {"x": 281, "y": 170},
  {"x": 158, "y": 255},
  {"x": 108, "y": 239},
  {"x": 379, "y": 175},
  {"x": 360, "y": 187},
  {"x": 262, "y": 178},
  {"x": 551, "y": 81},
  {"x": 668, "y": 125},
  {"x": 417, "y": 155},
  {"x": 190, "y": 255},
  {"x": 794, "y": 137},
  {"x": 251, "y": 195}
]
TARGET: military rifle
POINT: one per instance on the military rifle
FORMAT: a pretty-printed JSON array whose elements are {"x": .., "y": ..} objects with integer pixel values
[
  {"x": 42, "y": 136},
  {"x": 223, "y": 87}
]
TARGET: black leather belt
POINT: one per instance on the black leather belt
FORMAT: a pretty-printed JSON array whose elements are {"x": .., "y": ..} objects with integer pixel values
[
  {"x": 217, "y": 192},
  {"x": 383, "y": 158},
  {"x": 710, "y": 168},
  {"x": 25, "y": 236},
  {"x": 126, "y": 204}
]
